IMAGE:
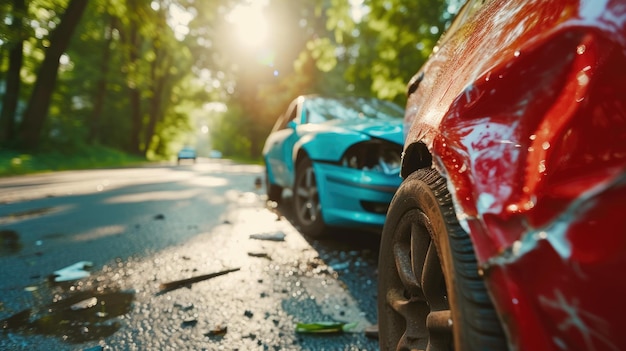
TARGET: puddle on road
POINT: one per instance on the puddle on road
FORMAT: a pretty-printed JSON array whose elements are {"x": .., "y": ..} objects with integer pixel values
[
  {"x": 9, "y": 242},
  {"x": 82, "y": 317}
]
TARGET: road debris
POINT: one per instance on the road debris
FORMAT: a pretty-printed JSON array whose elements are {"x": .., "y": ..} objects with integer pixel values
[
  {"x": 325, "y": 327},
  {"x": 340, "y": 266},
  {"x": 76, "y": 271},
  {"x": 217, "y": 331},
  {"x": 177, "y": 284},
  {"x": 184, "y": 308},
  {"x": 84, "y": 304},
  {"x": 259, "y": 254},
  {"x": 278, "y": 236},
  {"x": 189, "y": 323}
]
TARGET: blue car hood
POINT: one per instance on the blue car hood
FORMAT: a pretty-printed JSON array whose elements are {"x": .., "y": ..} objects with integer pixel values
[{"x": 390, "y": 130}]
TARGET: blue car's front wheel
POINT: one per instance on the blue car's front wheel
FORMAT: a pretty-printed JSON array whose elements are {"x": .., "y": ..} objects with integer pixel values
[{"x": 306, "y": 200}]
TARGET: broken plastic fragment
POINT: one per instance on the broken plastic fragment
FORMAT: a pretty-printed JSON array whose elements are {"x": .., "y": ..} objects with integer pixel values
[
  {"x": 84, "y": 304},
  {"x": 340, "y": 266},
  {"x": 185, "y": 308},
  {"x": 278, "y": 236},
  {"x": 325, "y": 327},
  {"x": 74, "y": 272}
]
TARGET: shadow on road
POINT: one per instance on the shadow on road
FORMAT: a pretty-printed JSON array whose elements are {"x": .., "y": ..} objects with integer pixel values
[
  {"x": 351, "y": 253},
  {"x": 338, "y": 239}
]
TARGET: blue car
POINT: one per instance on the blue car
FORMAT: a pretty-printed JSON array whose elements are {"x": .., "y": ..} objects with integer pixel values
[{"x": 341, "y": 158}]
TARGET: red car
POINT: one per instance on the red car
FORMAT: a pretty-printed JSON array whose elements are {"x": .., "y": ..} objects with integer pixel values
[{"x": 509, "y": 229}]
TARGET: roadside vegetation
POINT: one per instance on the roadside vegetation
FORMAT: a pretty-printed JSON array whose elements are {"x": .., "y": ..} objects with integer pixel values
[{"x": 17, "y": 163}]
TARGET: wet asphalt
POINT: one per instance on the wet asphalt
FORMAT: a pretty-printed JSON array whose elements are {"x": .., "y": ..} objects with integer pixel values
[{"x": 187, "y": 257}]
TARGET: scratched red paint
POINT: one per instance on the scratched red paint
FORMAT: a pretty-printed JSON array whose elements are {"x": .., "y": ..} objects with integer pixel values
[{"x": 523, "y": 107}]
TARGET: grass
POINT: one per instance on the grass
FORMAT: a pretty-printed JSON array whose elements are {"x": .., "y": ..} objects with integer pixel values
[
  {"x": 16, "y": 163},
  {"x": 247, "y": 160}
]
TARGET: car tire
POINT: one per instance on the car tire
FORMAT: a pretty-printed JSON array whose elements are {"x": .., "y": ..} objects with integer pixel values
[
  {"x": 430, "y": 295},
  {"x": 274, "y": 192},
  {"x": 307, "y": 206}
]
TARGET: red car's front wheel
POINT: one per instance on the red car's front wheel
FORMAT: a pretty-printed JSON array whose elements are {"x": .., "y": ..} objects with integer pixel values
[{"x": 430, "y": 296}]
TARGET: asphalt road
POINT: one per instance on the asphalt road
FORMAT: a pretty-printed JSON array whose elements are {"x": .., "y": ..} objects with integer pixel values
[{"x": 143, "y": 244}]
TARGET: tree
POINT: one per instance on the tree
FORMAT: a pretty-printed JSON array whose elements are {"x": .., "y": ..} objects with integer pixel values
[
  {"x": 39, "y": 103},
  {"x": 100, "y": 92},
  {"x": 381, "y": 44},
  {"x": 12, "y": 88}
]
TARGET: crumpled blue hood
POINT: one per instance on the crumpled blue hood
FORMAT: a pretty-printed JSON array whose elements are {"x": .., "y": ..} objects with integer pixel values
[{"x": 390, "y": 130}]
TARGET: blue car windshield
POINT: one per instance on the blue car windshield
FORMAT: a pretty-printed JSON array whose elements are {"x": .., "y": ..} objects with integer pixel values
[{"x": 320, "y": 110}]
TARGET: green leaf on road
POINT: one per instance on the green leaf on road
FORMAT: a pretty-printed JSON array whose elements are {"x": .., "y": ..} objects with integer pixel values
[{"x": 325, "y": 327}]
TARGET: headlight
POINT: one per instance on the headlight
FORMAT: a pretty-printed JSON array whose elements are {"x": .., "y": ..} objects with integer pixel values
[{"x": 374, "y": 155}]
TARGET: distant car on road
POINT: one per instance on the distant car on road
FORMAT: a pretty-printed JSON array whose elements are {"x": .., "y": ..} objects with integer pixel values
[
  {"x": 187, "y": 153},
  {"x": 215, "y": 154},
  {"x": 341, "y": 157},
  {"x": 508, "y": 231}
]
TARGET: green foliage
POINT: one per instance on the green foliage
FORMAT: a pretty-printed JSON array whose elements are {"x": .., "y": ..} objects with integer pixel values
[
  {"x": 87, "y": 157},
  {"x": 322, "y": 52},
  {"x": 379, "y": 52},
  {"x": 226, "y": 134}
]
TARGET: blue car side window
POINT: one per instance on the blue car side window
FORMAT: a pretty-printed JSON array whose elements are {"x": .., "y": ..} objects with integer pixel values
[{"x": 314, "y": 117}]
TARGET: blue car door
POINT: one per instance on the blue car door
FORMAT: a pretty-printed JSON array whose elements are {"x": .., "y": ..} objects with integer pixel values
[{"x": 280, "y": 152}]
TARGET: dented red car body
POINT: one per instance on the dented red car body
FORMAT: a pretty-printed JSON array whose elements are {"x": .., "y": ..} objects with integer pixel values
[{"x": 522, "y": 108}]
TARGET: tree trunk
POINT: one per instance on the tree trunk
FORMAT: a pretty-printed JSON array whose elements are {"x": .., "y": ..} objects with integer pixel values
[
  {"x": 134, "y": 94},
  {"x": 158, "y": 79},
  {"x": 158, "y": 82},
  {"x": 13, "y": 81},
  {"x": 101, "y": 88},
  {"x": 39, "y": 103}
]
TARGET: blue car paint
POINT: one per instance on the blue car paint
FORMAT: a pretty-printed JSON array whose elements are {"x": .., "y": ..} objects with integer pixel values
[
  {"x": 329, "y": 141},
  {"x": 319, "y": 142},
  {"x": 277, "y": 153},
  {"x": 342, "y": 189},
  {"x": 328, "y": 146}
]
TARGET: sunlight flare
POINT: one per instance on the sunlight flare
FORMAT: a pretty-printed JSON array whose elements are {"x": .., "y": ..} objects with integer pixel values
[{"x": 250, "y": 24}]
